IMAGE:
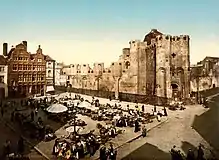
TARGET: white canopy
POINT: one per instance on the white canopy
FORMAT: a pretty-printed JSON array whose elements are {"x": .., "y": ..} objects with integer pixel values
[
  {"x": 49, "y": 88},
  {"x": 84, "y": 104},
  {"x": 76, "y": 101},
  {"x": 57, "y": 108},
  {"x": 71, "y": 129}
]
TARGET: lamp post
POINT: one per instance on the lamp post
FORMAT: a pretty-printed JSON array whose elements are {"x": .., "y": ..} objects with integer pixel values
[{"x": 74, "y": 121}]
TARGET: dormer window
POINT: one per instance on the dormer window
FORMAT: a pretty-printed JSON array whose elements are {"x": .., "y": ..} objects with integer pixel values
[{"x": 39, "y": 60}]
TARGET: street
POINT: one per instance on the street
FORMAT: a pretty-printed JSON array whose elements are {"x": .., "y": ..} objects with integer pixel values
[{"x": 185, "y": 130}]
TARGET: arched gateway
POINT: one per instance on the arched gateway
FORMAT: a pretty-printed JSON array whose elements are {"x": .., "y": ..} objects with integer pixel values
[{"x": 175, "y": 90}]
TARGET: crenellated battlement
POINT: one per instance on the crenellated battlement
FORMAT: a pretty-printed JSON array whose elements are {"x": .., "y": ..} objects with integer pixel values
[{"x": 172, "y": 38}]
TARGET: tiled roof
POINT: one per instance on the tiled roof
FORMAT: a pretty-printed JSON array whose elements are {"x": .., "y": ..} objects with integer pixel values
[{"x": 3, "y": 60}]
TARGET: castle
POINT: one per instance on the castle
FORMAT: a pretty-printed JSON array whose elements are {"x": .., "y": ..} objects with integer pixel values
[{"x": 157, "y": 66}]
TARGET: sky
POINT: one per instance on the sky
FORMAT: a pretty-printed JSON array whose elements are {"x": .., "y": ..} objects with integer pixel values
[{"x": 89, "y": 31}]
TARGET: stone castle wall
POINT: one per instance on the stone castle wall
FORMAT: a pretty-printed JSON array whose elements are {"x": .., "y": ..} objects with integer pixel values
[{"x": 142, "y": 69}]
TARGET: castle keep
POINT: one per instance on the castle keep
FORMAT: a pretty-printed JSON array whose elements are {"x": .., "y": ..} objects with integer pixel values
[{"x": 157, "y": 66}]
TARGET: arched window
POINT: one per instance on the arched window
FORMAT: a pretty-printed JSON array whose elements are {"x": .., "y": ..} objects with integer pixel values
[
  {"x": 49, "y": 73},
  {"x": 127, "y": 64}
]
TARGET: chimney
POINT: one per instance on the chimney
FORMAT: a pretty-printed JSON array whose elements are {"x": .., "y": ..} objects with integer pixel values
[
  {"x": 25, "y": 44},
  {"x": 5, "y": 49}
]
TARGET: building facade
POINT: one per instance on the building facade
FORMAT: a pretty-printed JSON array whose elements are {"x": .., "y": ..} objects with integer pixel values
[
  {"x": 50, "y": 74},
  {"x": 157, "y": 66},
  {"x": 3, "y": 77},
  {"x": 205, "y": 74},
  {"x": 60, "y": 76},
  {"x": 26, "y": 71}
]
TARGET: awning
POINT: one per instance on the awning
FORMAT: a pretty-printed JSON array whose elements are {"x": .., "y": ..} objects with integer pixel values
[{"x": 49, "y": 88}]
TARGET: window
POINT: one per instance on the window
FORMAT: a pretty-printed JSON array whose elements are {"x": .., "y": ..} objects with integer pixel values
[
  {"x": 49, "y": 73},
  {"x": 29, "y": 77},
  {"x": 42, "y": 78},
  {"x": 25, "y": 78},
  {"x": 39, "y": 60},
  {"x": 20, "y": 67},
  {"x": 20, "y": 78},
  {"x": 25, "y": 67},
  {"x": 1, "y": 79},
  {"x": 2, "y": 69},
  {"x": 34, "y": 78},
  {"x": 14, "y": 67},
  {"x": 34, "y": 67},
  {"x": 19, "y": 58},
  {"x": 29, "y": 67},
  {"x": 127, "y": 65},
  {"x": 38, "y": 77}
]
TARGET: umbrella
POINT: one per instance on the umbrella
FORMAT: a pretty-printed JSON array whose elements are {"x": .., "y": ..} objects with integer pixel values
[
  {"x": 71, "y": 129},
  {"x": 57, "y": 108},
  {"x": 83, "y": 131},
  {"x": 76, "y": 101},
  {"x": 84, "y": 104}
]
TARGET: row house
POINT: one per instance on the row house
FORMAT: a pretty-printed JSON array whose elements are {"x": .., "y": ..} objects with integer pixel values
[
  {"x": 50, "y": 74},
  {"x": 26, "y": 71},
  {"x": 3, "y": 77},
  {"x": 60, "y": 76}
]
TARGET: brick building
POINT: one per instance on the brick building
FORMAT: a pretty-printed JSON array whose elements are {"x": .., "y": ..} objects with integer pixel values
[{"x": 26, "y": 71}]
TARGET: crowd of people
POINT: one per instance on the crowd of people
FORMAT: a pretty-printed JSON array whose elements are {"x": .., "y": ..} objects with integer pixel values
[
  {"x": 192, "y": 154},
  {"x": 77, "y": 149},
  {"x": 81, "y": 146}
]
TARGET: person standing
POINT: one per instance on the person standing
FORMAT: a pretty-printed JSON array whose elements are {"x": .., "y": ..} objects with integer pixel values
[
  {"x": 190, "y": 155},
  {"x": 136, "y": 126},
  {"x": 103, "y": 154},
  {"x": 155, "y": 108},
  {"x": 32, "y": 116},
  {"x": 200, "y": 153},
  {"x": 21, "y": 146},
  {"x": 173, "y": 153},
  {"x": 112, "y": 153},
  {"x": 142, "y": 108},
  {"x": 144, "y": 131},
  {"x": 7, "y": 148},
  {"x": 165, "y": 111}
]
